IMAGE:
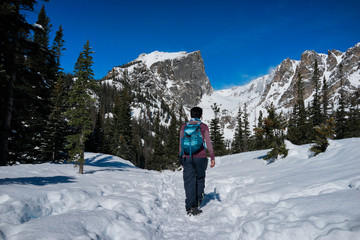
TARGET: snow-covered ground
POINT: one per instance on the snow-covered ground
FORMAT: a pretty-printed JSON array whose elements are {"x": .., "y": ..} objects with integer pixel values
[{"x": 294, "y": 198}]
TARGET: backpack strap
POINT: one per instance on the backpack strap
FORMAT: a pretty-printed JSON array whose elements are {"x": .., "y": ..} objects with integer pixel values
[{"x": 203, "y": 137}]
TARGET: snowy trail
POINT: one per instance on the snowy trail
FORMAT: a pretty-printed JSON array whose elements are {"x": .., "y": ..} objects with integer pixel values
[{"x": 294, "y": 198}]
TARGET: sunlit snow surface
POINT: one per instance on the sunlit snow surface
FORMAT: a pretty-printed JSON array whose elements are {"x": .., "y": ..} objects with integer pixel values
[{"x": 299, "y": 197}]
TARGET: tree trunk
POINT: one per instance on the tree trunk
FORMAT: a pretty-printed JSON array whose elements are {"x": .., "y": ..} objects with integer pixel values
[
  {"x": 81, "y": 167},
  {"x": 81, "y": 159},
  {"x": 53, "y": 153}
]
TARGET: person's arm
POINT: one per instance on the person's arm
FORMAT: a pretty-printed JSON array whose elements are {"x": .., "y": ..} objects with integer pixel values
[
  {"x": 180, "y": 137},
  {"x": 209, "y": 146}
]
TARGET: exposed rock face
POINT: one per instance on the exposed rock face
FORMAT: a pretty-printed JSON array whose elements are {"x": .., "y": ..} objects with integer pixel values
[
  {"x": 279, "y": 87},
  {"x": 332, "y": 61},
  {"x": 281, "y": 77},
  {"x": 186, "y": 76},
  {"x": 351, "y": 62},
  {"x": 333, "y": 66},
  {"x": 174, "y": 77}
]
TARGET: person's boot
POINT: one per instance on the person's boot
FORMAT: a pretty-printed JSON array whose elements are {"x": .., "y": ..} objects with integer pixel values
[{"x": 193, "y": 211}]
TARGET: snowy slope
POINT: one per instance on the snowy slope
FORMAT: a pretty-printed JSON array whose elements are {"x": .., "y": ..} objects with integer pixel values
[
  {"x": 294, "y": 198},
  {"x": 229, "y": 101}
]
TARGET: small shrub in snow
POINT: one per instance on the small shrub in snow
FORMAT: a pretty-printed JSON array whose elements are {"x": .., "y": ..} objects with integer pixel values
[{"x": 322, "y": 133}]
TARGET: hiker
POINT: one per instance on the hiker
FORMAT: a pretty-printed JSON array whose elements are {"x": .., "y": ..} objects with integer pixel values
[{"x": 194, "y": 141}]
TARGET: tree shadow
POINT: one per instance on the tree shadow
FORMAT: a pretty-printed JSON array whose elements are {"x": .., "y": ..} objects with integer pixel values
[
  {"x": 261, "y": 157},
  {"x": 107, "y": 162},
  {"x": 104, "y": 170},
  {"x": 38, "y": 181},
  {"x": 209, "y": 197},
  {"x": 268, "y": 161}
]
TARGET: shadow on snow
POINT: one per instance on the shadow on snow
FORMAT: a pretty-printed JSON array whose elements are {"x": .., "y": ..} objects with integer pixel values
[
  {"x": 106, "y": 161},
  {"x": 99, "y": 160},
  {"x": 209, "y": 197},
  {"x": 39, "y": 181}
]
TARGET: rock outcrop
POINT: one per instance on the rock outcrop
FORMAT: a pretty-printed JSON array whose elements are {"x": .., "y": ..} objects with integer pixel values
[
  {"x": 172, "y": 77},
  {"x": 334, "y": 67},
  {"x": 279, "y": 86}
]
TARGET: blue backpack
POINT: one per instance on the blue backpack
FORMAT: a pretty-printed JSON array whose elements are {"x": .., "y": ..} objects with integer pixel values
[{"x": 192, "y": 139}]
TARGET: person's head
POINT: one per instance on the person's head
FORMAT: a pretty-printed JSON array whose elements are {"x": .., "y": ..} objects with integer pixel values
[{"x": 196, "y": 112}]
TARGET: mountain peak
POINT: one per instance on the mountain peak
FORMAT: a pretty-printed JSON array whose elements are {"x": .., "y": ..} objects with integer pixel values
[
  {"x": 157, "y": 56},
  {"x": 176, "y": 77}
]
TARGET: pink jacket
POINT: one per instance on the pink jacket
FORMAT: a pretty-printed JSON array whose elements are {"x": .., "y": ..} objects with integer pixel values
[{"x": 206, "y": 136}]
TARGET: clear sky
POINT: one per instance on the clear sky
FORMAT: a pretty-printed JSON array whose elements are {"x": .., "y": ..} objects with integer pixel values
[{"x": 239, "y": 40}]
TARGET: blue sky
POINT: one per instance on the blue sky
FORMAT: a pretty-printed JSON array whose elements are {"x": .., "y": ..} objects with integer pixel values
[{"x": 239, "y": 40}]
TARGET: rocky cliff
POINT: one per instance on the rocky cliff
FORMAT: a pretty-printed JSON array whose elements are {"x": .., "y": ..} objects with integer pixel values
[
  {"x": 172, "y": 77},
  {"x": 333, "y": 66},
  {"x": 278, "y": 87}
]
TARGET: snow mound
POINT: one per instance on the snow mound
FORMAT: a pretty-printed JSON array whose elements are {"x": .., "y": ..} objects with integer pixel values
[{"x": 294, "y": 198}]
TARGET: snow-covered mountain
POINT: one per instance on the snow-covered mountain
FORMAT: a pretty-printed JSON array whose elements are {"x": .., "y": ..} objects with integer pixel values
[
  {"x": 293, "y": 198},
  {"x": 173, "y": 77},
  {"x": 180, "y": 78}
]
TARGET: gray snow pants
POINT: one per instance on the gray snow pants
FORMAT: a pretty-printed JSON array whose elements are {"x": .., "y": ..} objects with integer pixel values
[{"x": 194, "y": 180}]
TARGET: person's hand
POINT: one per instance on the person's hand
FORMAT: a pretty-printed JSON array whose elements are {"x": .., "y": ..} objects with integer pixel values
[{"x": 212, "y": 164}]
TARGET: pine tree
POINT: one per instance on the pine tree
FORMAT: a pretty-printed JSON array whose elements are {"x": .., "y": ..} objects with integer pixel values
[
  {"x": 146, "y": 133},
  {"x": 316, "y": 101},
  {"x": 117, "y": 125},
  {"x": 42, "y": 32},
  {"x": 157, "y": 158},
  {"x": 325, "y": 100},
  {"x": 13, "y": 28},
  {"x": 259, "y": 134},
  {"x": 274, "y": 126},
  {"x": 138, "y": 145},
  {"x": 323, "y": 132},
  {"x": 24, "y": 92},
  {"x": 239, "y": 134},
  {"x": 95, "y": 142},
  {"x": 315, "y": 109},
  {"x": 107, "y": 95},
  {"x": 56, "y": 127},
  {"x": 246, "y": 130},
  {"x": 54, "y": 145},
  {"x": 340, "y": 120},
  {"x": 43, "y": 60},
  {"x": 216, "y": 135},
  {"x": 297, "y": 126},
  {"x": 80, "y": 102},
  {"x": 58, "y": 47},
  {"x": 352, "y": 128},
  {"x": 182, "y": 116},
  {"x": 108, "y": 135},
  {"x": 122, "y": 124},
  {"x": 172, "y": 141}
]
